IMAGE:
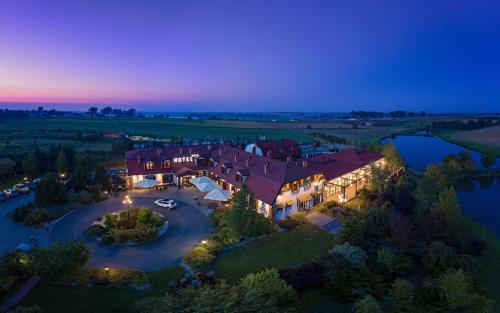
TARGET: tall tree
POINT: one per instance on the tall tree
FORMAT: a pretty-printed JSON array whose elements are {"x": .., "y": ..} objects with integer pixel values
[
  {"x": 488, "y": 158},
  {"x": 102, "y": 178},
  {"x": 243, "y": 218},
  {"x": 30, "y": 167},
  {"x": 62, "y": 164},
  {"x": 81, "y": 176},
  {"x": 392, "y": 157},
  {"x": 93, "y": 111},
  {"x": 50, "y": 191}
]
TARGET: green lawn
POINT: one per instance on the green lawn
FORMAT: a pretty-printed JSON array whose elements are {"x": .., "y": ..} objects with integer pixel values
[
  {"x": 63, "y": 299},
  {"x": 292, "y": 248},
  {"x": 489, "y": 270}
]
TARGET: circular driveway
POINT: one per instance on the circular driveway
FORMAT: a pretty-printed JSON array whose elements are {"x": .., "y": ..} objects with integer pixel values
[{"x": 188, "y": 225}]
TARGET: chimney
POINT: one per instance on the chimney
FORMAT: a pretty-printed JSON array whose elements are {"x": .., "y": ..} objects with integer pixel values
[
  {"x": 139, "y": 159},
  {"x": 209, "y": 147},
  {"x": 269, "y": 154},
  {"x": 180, "y": 150},
  {"x": 158, "y": 152},
  {"x": 190, "y": 150},
  {"x": 289, "y": 158},
  {"x": 220, "y": 151},
  {"x": 267, "y": 167},
  {"x": 305, "y": 163},
  {"x": 247, "y": 162},
  {"x": 236, "y": 157}
]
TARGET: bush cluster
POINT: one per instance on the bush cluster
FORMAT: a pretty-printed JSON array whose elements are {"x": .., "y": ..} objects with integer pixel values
[{"x": 30, "y": 215}]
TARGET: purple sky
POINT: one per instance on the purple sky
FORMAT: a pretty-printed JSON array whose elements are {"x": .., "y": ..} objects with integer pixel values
[{"x": 253, "y": 55}]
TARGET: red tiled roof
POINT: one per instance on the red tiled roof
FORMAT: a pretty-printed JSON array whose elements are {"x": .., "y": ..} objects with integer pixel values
[
  {"x": 337, "y": 164},
  {"x": 265, "y": 184},
  {"x": 279, "y": 149},
  {"x": 137, "y": 158}
]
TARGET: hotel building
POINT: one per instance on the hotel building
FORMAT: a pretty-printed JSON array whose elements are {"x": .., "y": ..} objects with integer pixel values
[{"x": 281, "y": 188}]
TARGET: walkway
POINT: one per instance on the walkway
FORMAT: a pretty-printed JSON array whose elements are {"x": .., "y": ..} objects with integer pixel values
[
  {"x": 325, "y": 222},
  {"x": 20, "y": 294}
]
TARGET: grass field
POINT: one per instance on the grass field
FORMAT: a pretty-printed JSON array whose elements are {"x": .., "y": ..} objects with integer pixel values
[
  {"x": 159, "y": 127},
  {"x": 63, "y": 299},
  {"x": 287, "y": 249},
  {"x": 479, "y": 140}
]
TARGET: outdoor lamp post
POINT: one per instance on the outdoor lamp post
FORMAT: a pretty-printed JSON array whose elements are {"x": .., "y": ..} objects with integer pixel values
[{"x": 127, "y": 202}]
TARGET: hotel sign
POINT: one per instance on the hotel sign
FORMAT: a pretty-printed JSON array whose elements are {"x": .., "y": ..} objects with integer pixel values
[{"x": 186, "y": 158}]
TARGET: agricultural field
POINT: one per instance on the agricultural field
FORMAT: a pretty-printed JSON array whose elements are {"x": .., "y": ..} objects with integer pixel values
[
  {"x": 480, "y": 139},
  {"x": 365, "y": 135},
  {"x": 159, "y": 127}
]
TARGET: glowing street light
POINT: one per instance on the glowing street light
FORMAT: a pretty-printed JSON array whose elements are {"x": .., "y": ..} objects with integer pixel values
[{"x": 127, "y": 202}]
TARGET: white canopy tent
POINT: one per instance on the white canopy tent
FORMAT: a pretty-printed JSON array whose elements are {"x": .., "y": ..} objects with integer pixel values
[
  {"x": 147, "y": 183},
  {"x": 206, "y": 187},
  {"x": 218, "y": 195},
  {"x": 200, "y": 180}
]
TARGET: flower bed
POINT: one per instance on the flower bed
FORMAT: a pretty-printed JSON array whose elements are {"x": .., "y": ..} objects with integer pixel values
[{"x": 137, "y": 225}]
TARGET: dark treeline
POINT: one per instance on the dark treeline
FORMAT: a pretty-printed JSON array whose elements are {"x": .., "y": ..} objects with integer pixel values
[
  {"x": 393, "y": 114},
  {"x": 94, "y": 111},
  {"x": 466, "y": 125}
]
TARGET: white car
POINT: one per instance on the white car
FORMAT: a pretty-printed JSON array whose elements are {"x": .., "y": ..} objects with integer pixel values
[
  {"x": 166, "y": 203},
  {"x": 10, "y": 192}
]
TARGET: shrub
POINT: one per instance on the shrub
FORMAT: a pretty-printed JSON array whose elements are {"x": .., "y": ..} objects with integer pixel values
[
  {"x": 288, "y": 223},
  {"x": 355, "y": 255},
  {"x": 265, "y": 286},
  {"x": 20, "y": 213},
  {"x": 37, "y": 217},
  {"x": 393, "y": 263},
  {"x": 403, "y": 294},
  {"x": 96, "y": 230},
  {"x": 307, "y": 276},
  {"x": 198, "y": 257}
]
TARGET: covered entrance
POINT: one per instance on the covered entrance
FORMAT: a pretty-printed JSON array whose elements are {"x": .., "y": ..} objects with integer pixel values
[
  {"x": 184, "y": 175},
  {"x": 305, "y": 202}
]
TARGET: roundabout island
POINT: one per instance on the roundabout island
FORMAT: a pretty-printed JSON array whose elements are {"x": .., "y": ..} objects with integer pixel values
[{"x": 149, "y": 238}]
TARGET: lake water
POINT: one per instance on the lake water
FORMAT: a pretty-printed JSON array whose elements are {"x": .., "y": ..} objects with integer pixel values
[{"x": 479, "y": 198}]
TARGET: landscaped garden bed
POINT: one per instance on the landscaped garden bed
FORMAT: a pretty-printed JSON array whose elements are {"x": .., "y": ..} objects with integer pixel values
[{"x": 137, "y": 225}]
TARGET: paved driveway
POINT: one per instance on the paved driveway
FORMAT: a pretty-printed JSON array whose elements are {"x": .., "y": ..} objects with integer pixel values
[
  {"x": 188, "y": 226},
  {"x": 12, "y": 234}
]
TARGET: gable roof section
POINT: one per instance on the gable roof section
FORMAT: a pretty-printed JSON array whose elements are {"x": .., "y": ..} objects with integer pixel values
[{"x": 336, "y": 164}]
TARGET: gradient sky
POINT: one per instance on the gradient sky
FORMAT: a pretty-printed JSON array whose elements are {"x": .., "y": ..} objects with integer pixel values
[{"x": 438, "y": 56}]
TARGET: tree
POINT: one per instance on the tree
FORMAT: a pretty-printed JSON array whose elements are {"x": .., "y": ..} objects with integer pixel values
[
  {"x": 102, "y": 178},
  {"x": 367, "y": 305},
  {"x": 130, "y": 113},
  {"x": 403, "y": 294},
  {"x": 50, "y": 191},
  {"x": 106, "y": 110},
  {"x": 448, "y": 207},
  {"x": 488, "y": 158},
  {"x": 93, "y": 111},
  {"x": 459, "y": 294},
  {"x": 6, "y": 166},
  {"x": 243, "y": 218},
  {"x": 393, "y": 263},
  {"x": 30, "y": 167},
  {"x": 81, "y": 176},
  {"x": 392, "y": 157},
  {"x": 59, "y": 259}
]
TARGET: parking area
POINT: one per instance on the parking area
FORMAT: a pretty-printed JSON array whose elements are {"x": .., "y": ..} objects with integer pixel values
[{"x": 188, "y": 225}]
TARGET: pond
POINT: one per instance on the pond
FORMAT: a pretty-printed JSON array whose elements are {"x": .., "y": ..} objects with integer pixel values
[
  {"x": 420, "y": 151},
  {"x": 479, "y": 198}
]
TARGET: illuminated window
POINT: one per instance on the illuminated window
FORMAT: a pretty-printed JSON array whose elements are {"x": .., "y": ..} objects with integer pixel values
[
  {"x": 295, "y": 186},
  {"x": 167, "y": 164},
  {"x": 149, "y": 166}
]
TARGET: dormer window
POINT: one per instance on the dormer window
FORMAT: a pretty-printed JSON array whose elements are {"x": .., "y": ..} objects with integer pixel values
[
  {"x": 149, "y": 166},
  {"x": 166, "y": 164}
]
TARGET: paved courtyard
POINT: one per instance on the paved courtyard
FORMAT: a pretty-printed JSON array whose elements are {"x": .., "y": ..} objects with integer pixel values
[{"x": 188, "y": 225}]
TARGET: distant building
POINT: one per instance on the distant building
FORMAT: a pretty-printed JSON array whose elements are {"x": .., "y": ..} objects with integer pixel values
[
  {"x": 276, "y": 149},
  {"x": 110, "y": 134}
]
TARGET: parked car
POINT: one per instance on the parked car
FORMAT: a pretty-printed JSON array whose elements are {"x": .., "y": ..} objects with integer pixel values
[
  {"x": 3, "y": 196},
  {"x": 22, "y": 188},
  {"x": 10, "y": 192},
  {"x": 166, "y": 203}
]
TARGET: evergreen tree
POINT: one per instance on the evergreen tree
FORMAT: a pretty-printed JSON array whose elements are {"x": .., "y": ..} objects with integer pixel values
[
  {"x": 62, "y": 164},
  {"x": 30, "y": 167},
  {"x": 102, "y": 178}
]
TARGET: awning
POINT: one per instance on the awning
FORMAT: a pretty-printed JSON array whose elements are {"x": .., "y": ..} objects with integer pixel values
[
  {"x": 304, "y": 198},
  {"x": 288, "y": 203},
  {"x": 185, "y": 171},
  {"x": 147, "y": 183}
]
